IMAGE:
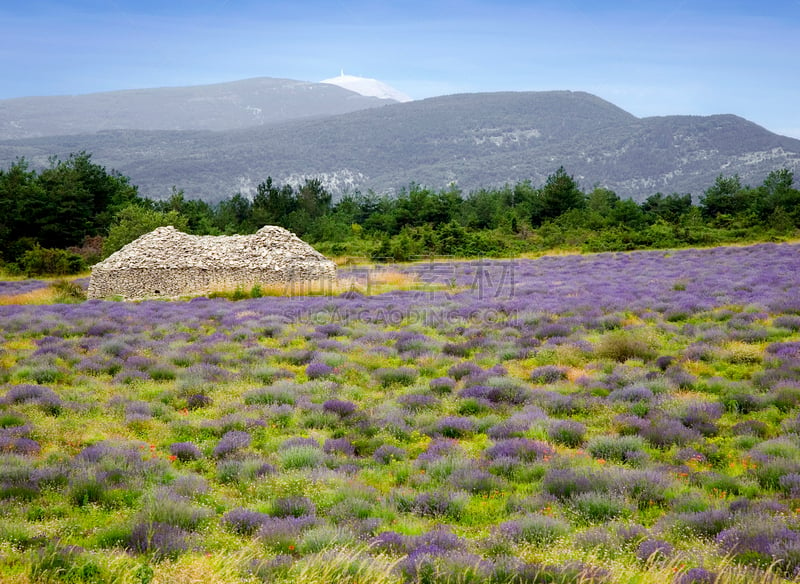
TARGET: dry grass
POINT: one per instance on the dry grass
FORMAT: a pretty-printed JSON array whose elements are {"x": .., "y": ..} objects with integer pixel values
[
  {"x": 39, "y": 296},
  {"x": 378, "y": 281},
  {"x": 374, "y": 282}
]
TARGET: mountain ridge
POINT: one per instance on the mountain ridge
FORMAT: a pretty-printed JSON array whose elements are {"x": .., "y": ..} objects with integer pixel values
[
  {"x": 216, "y": 106},
  {"x": 472, "y": 140}
]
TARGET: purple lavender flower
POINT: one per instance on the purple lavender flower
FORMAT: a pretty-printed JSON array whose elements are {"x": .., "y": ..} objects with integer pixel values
[
  {"x": 505, "y": 391},
  {"x": 553, "y": 329},
  {"x": 276, "y": 395},
  {"x": 296, "y": 441},
  {"x": 463, "y": 369},
  {"x": 19, "y": 445},
  {"x": 474, "y": 480},
  {"x": 197, "y": 401},
  {"x": 507, "y": 429},
  {"x": 436, "y": 504},
  {"x": 699, "y": 351},
  {"x": 440, "y": 537},
  {"x": 442, "y": 385},
  {"x": 413, "y": 344},
  {"x": 342, "y": 408},
  {"x": 390, "y": 541},
  {"x": 417, "y": 401},
  {"x": 458, "y": 349},
  {"x": 295, "y": 506},
  {"x": 665, "y": 432},
  {"x": 547, "y": 374},
  {"x": 159, "y": 539},
  {"x": 268, "y": 570},
  {"x": 185, "y": 451},
  {"x": 282, "y": 533},
  {"x": 534, "y": 528},
  {"x": 705, "y": 523},
  {"x": 520, "y": 448},
  {"x": 128, "y": 377},
  {"x": 299, "y": 356},
  {"x": 567, "y": 432},
  {"x": 564, "y": 483},
  {"x": 632, "y": 393},
  {"x": 386, "y": 453},
  {"x": 207, "y": 372},
  {"x": 332, "y": 330},
  {"x": 595, "y": 538},
  {"x": 755, "y": 428},
  {"x": 665, "y": 361},
  {"x": 338, "y": 446},
  {"x": 517, "y": 424},
  {"x": 631, "y": 533},
  {"x": 138, "y": 411},
  {"x": 317, "y": 369},
  {"x": 700, "y": 416},
  {"x": 697, "y": 576},
  {"x": 761, "y": 538},
  {"x": 654, "y": 550},
  {"x": 231, "y": 442},
  {"x": 244, "y": 521},
  {"x": 454, "y": 427},
  {"x": 24, "y": 393},
  {"x": 439, "y": 447},
  {"x": 788, "y": 321}
]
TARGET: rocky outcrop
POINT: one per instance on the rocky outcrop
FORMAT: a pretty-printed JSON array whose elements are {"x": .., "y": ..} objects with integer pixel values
[{"x": 169, "y": 263}]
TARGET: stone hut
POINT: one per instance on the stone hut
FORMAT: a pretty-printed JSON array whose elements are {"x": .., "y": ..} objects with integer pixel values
[{"x": 167, "y": 263}]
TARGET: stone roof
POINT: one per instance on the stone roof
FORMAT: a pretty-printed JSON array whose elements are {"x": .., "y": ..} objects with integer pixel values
[{"x": 270, "y": 247}]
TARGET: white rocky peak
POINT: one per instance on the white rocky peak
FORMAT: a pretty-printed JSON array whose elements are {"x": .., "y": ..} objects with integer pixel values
[{"x": 368, "y": 87}]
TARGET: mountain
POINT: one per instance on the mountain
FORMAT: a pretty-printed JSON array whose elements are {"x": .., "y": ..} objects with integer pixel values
[
  {"x": 222, "y": 106},
  {"x": 368, "y": 87},
  {"x": 472, "y": 140}
]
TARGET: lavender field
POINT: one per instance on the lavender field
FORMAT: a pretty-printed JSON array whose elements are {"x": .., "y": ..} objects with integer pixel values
[{"x": 610, "y": 418}]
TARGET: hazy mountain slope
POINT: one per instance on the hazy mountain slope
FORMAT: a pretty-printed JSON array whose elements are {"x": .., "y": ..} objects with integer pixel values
[
  {"x": 474, "y": 140},
  {"x": 222, "y": 106}
]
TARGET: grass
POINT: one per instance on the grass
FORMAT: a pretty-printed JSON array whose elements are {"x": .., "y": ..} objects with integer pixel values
[{"x": 40, "y": 296}]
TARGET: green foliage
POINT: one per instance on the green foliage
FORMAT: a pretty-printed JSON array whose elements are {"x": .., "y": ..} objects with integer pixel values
[
  {"x": 134, "y": 221},
  {"x": 61, "y": 205},
  {"x": 41, "y": 261},
  {"x": 559, "y": 195},
  {"x": 75, "y": 202},
  {"x": 621, "y": 345}
]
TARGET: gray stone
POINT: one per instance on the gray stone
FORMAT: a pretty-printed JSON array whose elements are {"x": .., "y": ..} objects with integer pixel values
[{"x": 167, "y": 263}]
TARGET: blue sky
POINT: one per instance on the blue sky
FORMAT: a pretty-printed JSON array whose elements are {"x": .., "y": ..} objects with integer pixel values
[{"x": 650, "y": 58}]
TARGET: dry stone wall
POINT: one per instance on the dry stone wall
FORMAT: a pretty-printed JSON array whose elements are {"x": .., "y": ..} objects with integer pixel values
[{"x": 169, "y": 263}]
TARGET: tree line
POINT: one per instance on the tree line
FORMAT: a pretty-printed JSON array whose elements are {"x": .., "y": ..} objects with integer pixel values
[{"x": 75, "y": 212}]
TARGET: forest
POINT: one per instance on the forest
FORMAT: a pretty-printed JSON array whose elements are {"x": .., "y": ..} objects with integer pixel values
[{"x": 73, "y": 213}]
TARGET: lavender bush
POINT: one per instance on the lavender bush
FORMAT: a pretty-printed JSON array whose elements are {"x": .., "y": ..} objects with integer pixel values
[{"x": 231, "y": 442}]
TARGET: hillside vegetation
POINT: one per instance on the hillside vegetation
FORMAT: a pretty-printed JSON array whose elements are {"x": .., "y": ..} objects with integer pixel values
[{"x": 75, "y": 212}]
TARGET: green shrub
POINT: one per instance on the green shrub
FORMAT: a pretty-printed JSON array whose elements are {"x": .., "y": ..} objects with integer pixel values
[
  {"x": 41, "y": 261},
  {"x": 593, "y": 507},
  {"x": 624, "y": 344},
  {"x": 68, "y": 292},
  {"x": 616, "y": 448},
  {"x": 301, "y": 457}
]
